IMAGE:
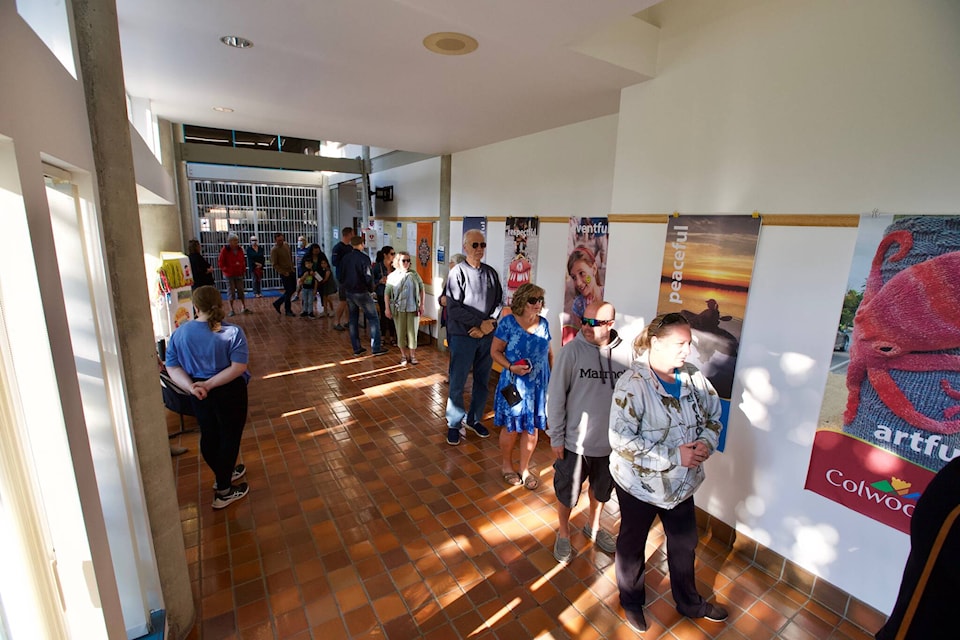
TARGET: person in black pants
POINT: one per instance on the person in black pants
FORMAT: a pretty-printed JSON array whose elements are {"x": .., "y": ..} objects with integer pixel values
[
  {"x": 664, "y": 423},
  {"x": 282, "y": 261},
  {"x": 208, "y": 357},
  {"x": 931, "y": 577}
]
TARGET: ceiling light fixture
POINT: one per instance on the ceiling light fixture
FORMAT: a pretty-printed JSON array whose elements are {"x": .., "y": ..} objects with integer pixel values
[
  {"x": 236, "y": 41},
  {"x": 223, "y": 109},
  {"x": 448, "y": 43}
]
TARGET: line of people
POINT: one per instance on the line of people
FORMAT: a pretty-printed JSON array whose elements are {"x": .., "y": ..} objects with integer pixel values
[{"x": 641, "y": 420}]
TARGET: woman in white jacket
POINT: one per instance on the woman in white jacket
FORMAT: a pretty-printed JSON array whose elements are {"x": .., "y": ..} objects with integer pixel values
[{"x": 664, "y": 423}]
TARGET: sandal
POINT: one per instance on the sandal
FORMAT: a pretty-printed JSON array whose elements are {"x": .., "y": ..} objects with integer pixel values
[
  {"x": 512, "y": 478},
  {"x": 531, "y": 482}
]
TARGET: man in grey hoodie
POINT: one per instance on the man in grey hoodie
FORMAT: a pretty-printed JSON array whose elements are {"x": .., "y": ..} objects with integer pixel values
[{"x": 578, "y": 414}]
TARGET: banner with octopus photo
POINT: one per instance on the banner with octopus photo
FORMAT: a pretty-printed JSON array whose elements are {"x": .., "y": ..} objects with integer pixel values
[
  {"x": 707, "y": 269},
  {"x": 890, "y": 417},
  {"x": 586, "y": 270},
  {"x": 520, "y": 254}
]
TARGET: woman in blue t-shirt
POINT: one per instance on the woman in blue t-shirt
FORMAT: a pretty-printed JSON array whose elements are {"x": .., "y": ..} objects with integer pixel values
[{"x": 208, "y": 358}]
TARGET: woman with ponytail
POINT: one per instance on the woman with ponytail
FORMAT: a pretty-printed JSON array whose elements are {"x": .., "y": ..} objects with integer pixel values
[{"x": 208, "y": 357}]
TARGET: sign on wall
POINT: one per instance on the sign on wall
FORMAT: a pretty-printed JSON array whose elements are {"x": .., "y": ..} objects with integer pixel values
[
  {"x": 707, "y": 268},
  {"x": 891, "y": 412},
  {"x": 521, "y": 239},
  {"x": 586, "y": 270}
]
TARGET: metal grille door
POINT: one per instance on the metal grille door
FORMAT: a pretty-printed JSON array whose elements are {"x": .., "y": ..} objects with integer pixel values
[{"x": 263, "y": 210}]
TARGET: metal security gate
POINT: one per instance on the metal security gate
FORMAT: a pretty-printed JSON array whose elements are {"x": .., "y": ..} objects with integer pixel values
[{"x": 221, "y": 208}]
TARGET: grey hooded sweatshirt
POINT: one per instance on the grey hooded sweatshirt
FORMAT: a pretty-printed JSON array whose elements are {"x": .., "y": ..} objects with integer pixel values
[{"x": 578, "y": 398}]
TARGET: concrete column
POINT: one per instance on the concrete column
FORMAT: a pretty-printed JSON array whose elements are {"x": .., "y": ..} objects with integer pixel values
[
  {"x": 98, "y": 45},
  {"x": 443, "y": 230},
  {"x": 183, "y": 188}
]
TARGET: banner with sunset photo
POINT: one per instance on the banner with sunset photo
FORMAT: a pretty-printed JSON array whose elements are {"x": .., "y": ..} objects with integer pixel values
[{"x": 707, "y": 268}]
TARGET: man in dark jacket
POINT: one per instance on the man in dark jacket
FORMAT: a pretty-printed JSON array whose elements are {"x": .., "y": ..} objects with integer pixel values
[{"x": 356, "y": 283}]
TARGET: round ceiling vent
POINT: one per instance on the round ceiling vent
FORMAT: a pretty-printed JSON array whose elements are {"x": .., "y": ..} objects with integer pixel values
[{"x": 450, "y": 44}]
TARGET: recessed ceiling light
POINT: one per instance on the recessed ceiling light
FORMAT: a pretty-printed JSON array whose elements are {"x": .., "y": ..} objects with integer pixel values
[
  {"x": 450, "y": 44},
  {"x": 236, "y": 41},
  {"x": 223, "y": 109}
]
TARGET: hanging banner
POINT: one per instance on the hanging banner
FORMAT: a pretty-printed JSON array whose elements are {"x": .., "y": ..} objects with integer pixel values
[
  {"x": 470, "y": 223},
  {"x": 891, "y": 410},
  {"x": 707, "y": 267},
  {"x": 586, "y": 270},
  {"x": 519, "y": 254},
  {"x": 424, "y": 252}
]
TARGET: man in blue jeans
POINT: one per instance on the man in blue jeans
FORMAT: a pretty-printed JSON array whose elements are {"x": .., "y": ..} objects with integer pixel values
[
  {"x": 474, "y": 300},
  {"x": 357, "y": 283}
]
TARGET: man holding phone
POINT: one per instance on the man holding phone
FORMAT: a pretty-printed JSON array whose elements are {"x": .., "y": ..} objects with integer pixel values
[
  {"x": 578, "y": 413},
  {"x": 474, "y": 300}
]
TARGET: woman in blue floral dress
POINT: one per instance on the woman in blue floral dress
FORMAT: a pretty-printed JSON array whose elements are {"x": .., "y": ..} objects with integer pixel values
[{"x": 521, "y": 345}]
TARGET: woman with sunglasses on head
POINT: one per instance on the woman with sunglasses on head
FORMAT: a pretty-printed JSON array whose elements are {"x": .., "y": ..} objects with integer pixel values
[
  {"x": 521, "y": 345},
  {"x": 664, "y": 423},
  {"x": 403, "y": 294}
]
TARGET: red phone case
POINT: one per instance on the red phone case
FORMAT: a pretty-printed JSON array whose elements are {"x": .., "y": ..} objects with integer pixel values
[{"x": 523, "y": 362}]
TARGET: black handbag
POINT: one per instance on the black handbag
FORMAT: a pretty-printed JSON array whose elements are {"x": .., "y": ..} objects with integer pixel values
[{"x": 511, "y": 395}]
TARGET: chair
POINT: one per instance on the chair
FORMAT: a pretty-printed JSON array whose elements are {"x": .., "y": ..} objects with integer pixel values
[{"x": 176, "y": 399}]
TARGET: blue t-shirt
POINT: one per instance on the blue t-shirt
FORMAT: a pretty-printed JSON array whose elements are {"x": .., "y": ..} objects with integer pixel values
[{"x": 202, "y": 353}]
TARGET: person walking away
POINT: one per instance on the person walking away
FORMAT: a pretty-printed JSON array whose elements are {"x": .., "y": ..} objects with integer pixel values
[
  {"x": 299, "y": 253},
  {"x": 582, "y": 380},
  {"x": 357, "y": 284},
  {"x": 342, "y": 249},
  {"x": 474, "y": 301},
  {"x": 256, "y": 261},
  {"x": 233, "y": 266},
  {"x": 208, "y": 357},
  {"x": 282, "y": 261},
  {"x": 521, "y": 346},
  {"x": 308, "y": 284},
  {"x": 664, "y": 423},
  {"x": 404, "y": 292}
]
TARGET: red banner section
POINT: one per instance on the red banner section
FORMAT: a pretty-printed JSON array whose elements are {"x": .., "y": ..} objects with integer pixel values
[{"x": 871, "y": 481}]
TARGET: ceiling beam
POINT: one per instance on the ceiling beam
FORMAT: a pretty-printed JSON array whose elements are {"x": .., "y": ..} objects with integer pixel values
[{"x": 211, "y": 154}]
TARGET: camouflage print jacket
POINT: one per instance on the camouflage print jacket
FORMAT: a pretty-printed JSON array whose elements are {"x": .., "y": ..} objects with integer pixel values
[{"x": 647, "y": 425}]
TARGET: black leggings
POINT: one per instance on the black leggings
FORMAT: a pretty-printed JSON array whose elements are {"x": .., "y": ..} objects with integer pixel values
[{"x": 222, "y": 416}]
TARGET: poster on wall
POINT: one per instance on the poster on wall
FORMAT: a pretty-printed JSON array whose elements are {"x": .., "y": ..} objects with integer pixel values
[
  {"x": 586, "y": 270},
  {"x": 521, "y": 239},
  {"x": 890, "y": 417},
  {"x": 424, "y": 252},
  {"x": 707, "y": 268},
  {"x": 470, "y": 223}
]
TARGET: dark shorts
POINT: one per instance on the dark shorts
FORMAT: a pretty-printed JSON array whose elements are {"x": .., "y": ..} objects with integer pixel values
[{"x": 570, "y": 473}]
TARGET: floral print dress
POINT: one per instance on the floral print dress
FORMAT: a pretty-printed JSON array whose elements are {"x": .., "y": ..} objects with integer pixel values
[{"x": 531, "y": 413}]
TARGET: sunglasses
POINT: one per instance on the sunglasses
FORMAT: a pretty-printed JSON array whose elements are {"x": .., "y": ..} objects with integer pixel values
[
  {"x": 537, "y": 300},
  {"x": 593, "y": 322},
  {"x": 405, "y": 260},
  {"x": 671, "y": 318},
  {"x": 482, "y": 245}
]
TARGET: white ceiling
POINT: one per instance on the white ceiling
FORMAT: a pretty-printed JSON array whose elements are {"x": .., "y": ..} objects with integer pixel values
[{"x": 356, "y": 71}]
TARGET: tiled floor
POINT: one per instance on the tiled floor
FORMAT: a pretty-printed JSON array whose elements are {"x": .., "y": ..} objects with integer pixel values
[{"x": 362, "y": 522}]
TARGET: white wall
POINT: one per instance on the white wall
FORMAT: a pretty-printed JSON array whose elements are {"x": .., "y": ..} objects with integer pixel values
[
  {"x": 790, "y": 107},
  {"x": 567, "y": 171}
]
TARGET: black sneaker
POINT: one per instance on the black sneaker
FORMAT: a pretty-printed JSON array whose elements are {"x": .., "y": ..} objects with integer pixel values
[
  {"x": 290, "y": 314},
  {"x": 453, "y": 437},
  {"x": 380, "y": 352},
  {"x": 303, "y": 314},
  {"x": 478, "y": 428},
  {"x": 276, "y": 306},
  {"x": 339, "y": 327},
  {"x": 715, "y": 613},
  {"x": 238, "y": 472},
  {"x": 234, "y": 493},
  {"x": 635, "y": 620},
  {"x": 360, "y": 352}
]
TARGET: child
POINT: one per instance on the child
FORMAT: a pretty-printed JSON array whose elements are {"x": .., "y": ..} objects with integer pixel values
[
  {"x": 308, "y": 284},
  {"x": 328, "y": 290}
]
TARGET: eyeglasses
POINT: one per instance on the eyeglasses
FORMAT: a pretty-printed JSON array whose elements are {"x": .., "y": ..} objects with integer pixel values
[
  {"x": 405, "y": 260},
  {"x": 671, "y": 318},
  {"x": 482, "y": 245},
  {"x": 537, "y": 300},
  {"x": 593, "y": 322}
]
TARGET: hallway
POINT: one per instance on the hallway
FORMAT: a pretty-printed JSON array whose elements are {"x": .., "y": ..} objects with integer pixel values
[{"x": 362, "y": 522}]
